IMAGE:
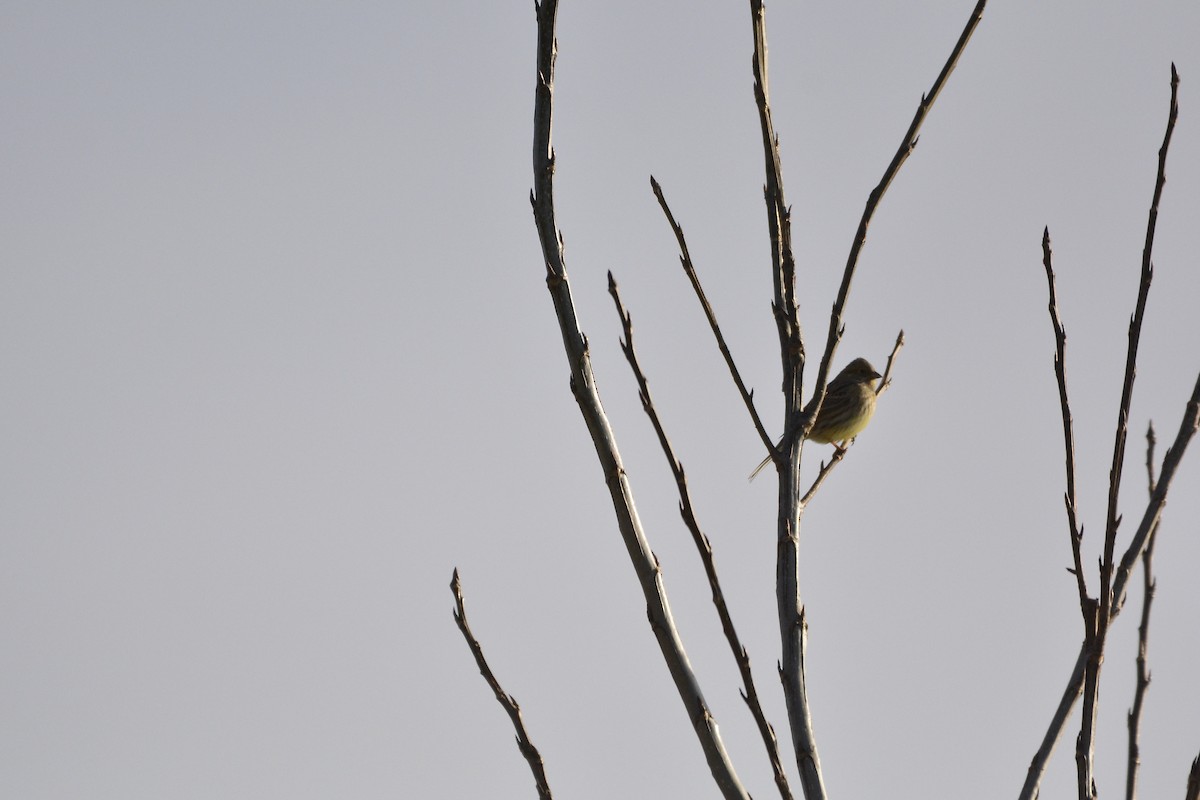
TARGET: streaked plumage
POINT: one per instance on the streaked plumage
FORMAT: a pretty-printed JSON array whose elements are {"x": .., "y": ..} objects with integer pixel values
[{"x": 848, "y": 407}]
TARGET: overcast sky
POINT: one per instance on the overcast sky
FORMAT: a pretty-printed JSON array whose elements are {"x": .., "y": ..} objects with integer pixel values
[{"x": 278, "y": 356}]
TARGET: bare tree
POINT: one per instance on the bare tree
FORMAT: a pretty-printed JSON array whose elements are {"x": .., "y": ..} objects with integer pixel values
[
  {"x": 800, "y": 414},
  {"x": 1098, "y": 612}
]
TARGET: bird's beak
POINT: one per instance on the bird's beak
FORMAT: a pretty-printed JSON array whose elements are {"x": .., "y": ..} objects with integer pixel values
[{"x": 875, "y": 374}]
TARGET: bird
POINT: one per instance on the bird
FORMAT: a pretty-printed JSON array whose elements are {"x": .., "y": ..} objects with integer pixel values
[{"x": 848, "y": 407}]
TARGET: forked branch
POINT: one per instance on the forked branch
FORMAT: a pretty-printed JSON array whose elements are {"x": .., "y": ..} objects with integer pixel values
[
  {"x": 1150, "y": 518},
  {"x": 1099, "y": 614},
  {"x": 792, "y": 620}
]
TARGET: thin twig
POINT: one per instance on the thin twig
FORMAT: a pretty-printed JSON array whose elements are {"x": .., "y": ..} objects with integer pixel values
[
  {"x": 886, "y": 381},
  {"x": 839, "y": 453},
  {"x": 1135, "y": 331},
  {"x": 1134, "y": 719},
  {"x": 685, "y": 259},
  {"x": 687, "y": 511},
  {"x": 1088, "y": 606},
  {"x": 779, "y": 225},
  {"x": 505, "y": 699},
  {"x": 1107, "y": 596},
  {"x": 1060, "y": 367},
  {"x": 583, "y": 386},
  {"x": 1151, "y": 440}
]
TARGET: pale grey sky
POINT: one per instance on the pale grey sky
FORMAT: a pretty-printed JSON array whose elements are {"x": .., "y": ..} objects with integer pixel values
[{"x": 278, "y": 355}]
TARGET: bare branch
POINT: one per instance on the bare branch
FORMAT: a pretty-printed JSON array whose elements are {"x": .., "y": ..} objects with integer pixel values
[
  {"x": 1166, "y": 473},
  {"x": 1060, "y": 367},
  {"x": 1134, "y": 719},
  {"x": 1108, "y": 595},
  {"x": 1112, "y": 594},
  {"x": 505, "y": 699},
  {"x": 583, "y": 386},
  {"x": 685, "y": 259},
  {"x": 779, "y": 225},
  {"x": 826, "y": 468},
  {"x": 687, "y": 511},
  {"x": 886, "y": 381},
  {"x": 1085, "y": 754},
  {"x": 1085, "y": 676},
  {"x": 1037, "y": 767},
  {"x": 1135, "y": 331},
  {"x": 793, "y": 627},
  {"x": 1187, "y": 429}
]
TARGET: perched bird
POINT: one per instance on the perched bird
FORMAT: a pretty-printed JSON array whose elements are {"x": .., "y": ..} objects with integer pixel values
[{"x": 848, "y": 407}]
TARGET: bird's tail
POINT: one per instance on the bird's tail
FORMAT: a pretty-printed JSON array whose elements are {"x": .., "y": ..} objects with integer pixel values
[{"x": 759, "y": 468}]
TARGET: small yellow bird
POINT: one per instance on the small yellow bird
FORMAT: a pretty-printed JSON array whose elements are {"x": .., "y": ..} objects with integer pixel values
[{"x": 848, "y": 407}]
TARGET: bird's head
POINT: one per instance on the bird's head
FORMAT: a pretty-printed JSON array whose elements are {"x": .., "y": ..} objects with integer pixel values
[{"x": 860, "y": 370}]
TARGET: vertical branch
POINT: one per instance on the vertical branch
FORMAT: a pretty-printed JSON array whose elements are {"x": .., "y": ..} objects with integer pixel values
[
  {"x": 1088, "y": 607},
  {"x": 1134, "y": 719},
  {"x": 1060, "y": 367},
  {"x": 793, "y": 627},
  {"x": 1093, "y": 645},
  {"x": 792, "y": 621},
  {"x": 779, "y": 223},
  {"x": 524, "y": 744},
  {"x": 1107, "y": 596},
  {"x": 583, "y": 386},
  {"x": 1135, "y": 332},
  {"x": 1107, "y": 599}
]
